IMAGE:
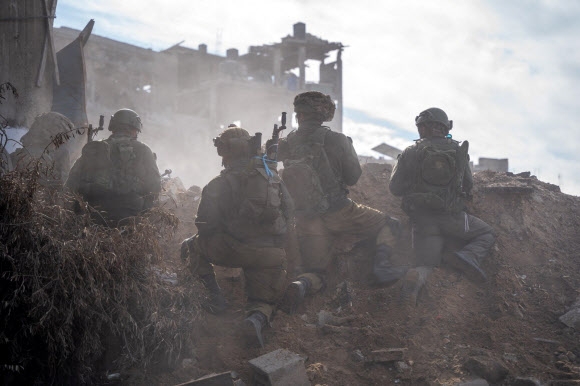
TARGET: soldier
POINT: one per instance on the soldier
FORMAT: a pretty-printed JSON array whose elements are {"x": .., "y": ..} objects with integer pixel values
[
  {"x": 319, "y": 164},
  {"x": 241, "y": 221},
  {"x": 119, "y": 175},
  {"x": 434, "y": 178},
  {"x": 38, "y": 145}
]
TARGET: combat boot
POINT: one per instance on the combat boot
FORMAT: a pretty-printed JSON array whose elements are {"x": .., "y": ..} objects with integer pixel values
[
  {"x": 186, "y": 246},
  {"x": 384, "y": 272},
  {"x": 469, "y": 265},
  {"x": 252, "y": 328},
  {"x": 216, "y": 303},
  {"x": 294, "y": 295}
]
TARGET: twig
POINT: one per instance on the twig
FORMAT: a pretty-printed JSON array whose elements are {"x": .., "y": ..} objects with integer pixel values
[{"x": 547, "y": 341}]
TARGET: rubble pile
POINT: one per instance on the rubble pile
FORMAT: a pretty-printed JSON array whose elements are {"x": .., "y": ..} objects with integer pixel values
[
  {"x": 514, "y": 329},
  {"x": 120, "y": 304}
]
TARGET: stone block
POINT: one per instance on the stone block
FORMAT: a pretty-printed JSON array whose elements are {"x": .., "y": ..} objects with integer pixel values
[
  {"x": 387, "y": 355},
  {"x": 279, "y": 368},
  {"x": 222, "y": 379}
]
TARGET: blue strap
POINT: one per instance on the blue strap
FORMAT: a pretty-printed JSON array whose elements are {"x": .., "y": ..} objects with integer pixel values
[{"x": 265, "y": 161}]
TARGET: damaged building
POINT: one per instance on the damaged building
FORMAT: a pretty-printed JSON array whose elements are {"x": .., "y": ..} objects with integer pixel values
[
  {"x": 499, "y": 165},
  {"x": 186, "y": 95}
]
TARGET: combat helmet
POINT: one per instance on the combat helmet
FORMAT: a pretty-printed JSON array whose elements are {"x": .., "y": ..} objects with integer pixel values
[
  {"x": 232, "y": 142},
  {"x": 434, "y": 114},
  {"x": 314, "y": 102},
  {"x": 125, "y": 119}
]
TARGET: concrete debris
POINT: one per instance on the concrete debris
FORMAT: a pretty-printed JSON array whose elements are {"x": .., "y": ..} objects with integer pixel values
[
  {"x": 506, "y": 189},
  {"x": 357, "y": 356},
  {"x": 402, "y": 366},
  {"x": 172, "y": 187},
  {"x": 565, "y": 382},
  {"x": 386, "y": 355},
  {"x": 164, "y": 276},
  {"x": 474, "y": 382},
  {"x": 488, "y": 368},
  {"x": 520, "y": 381},
  {"x": 326, "y": 317},
  {"x": 188, "y": 363},
  {"x": 510, "y": 357},
  {"x": 221, "y": 379},
  {"x": 542, "y": 340},
  {"x": 113, "y": 377},
  {"x": 329, "y": 329},
  {"x": 572, "y": 317},
  {"x": 279, "y": 368}
]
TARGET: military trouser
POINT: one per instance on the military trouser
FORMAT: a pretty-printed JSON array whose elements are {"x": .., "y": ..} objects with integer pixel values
[
  {"x": 116, "y": 208},
  {"x": 431, "y": 230},
  {"x": 316, "y": 236},
  {"x": 264, "y": 267}
]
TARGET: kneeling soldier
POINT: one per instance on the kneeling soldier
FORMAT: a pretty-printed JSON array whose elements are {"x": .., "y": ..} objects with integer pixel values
[{"x": 241, "y": 221}]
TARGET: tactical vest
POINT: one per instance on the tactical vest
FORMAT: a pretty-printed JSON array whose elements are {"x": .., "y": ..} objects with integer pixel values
[
  {"x": 109, "y": 168},
  {"x": 308, "y": 174},
  {"x": 438, "y": 178},
  {"x": 258, "y": 213}
]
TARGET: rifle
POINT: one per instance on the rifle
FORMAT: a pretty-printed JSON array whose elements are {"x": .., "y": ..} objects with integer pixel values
[
  {"x": 463, "y": 160},
  {"x": 276, "y": 138},
  {"x": 255, "y": 143},
  {"x": 92, "y": 132}
]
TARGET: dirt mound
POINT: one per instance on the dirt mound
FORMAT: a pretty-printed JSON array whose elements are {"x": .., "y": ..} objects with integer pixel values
[
  {"x": 505, "y": 329},
  {"x": 499, "y": 331}
]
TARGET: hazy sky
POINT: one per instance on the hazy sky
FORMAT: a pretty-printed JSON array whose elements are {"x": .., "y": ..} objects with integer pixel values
[{"x": 506, "y": 72}]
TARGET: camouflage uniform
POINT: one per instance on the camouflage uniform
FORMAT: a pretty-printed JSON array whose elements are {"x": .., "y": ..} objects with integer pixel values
[
  {"x": 317, "y": 231},
  {"x": 262, "y": 257},
  {"x": 227, "y": 237},
  {"x": 137, "y": 182},
  {"x": 431, "y": 227}
]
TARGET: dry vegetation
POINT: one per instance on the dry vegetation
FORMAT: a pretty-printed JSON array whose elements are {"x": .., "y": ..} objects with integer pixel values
[{"x": 78, "y": 298}]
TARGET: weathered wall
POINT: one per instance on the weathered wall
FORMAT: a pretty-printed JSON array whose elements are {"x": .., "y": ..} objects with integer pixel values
[
  {"x": 184, "y": 96},
  {"x": 22, "y": 39}
]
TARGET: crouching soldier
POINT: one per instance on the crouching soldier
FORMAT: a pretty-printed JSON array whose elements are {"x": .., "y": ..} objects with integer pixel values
[
  {"x": 241, "y": 221},
  {"x": 433, "y": 178},
  {"x": 319, "y": 164},
  {"x": 117, "y": 176}
]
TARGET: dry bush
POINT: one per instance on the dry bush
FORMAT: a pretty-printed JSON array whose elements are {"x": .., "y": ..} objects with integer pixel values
[{"x": 78, "y": 298}]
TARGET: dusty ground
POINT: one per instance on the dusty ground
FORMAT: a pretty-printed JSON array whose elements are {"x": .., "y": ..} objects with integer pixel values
[{"x": 505, "y": 329}]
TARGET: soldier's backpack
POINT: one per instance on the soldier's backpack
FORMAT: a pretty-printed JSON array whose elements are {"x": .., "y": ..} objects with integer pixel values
[
  {"x": 261, "y": 206},
  {"x": 440, "y": 176},
  {"x": 106, "y": 168},
  {"x": 93, "y": 171},
  {"x": 308, "y": 174}
]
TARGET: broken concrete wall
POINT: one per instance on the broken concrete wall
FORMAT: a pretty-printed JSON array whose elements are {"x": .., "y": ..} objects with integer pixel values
[
  {"x": 187, "y": 96},
  {"x": 494, "y": 164},
  {"x": 24, "y": 42},
  {"x": 121, "y": 75}
]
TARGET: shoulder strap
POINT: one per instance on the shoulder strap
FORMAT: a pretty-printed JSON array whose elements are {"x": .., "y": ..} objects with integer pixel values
[
  {"x": 292, "y": 140},
  {"x": 234, "y": 183},
  {"x": 319, "y": 135}
]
